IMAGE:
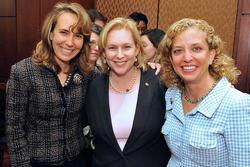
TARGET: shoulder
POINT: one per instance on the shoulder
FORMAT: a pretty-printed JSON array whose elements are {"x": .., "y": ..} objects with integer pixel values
[
  {"x": 98, "y": 79},
  {"x": 237, "y": 99},
  {"x": 172, "y": 91},
  {"x": 22, "y": 64},
  {"x": 22, "y": 68},
  {"x": 150, "y": 74}
]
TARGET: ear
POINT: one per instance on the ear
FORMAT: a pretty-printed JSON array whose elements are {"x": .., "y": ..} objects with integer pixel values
[{"x": 212, "y": 56}]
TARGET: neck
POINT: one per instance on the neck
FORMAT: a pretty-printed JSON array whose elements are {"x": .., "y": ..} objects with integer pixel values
[
  {"x": 64, "y": 66},
  {"x": 124, "y": 83}
]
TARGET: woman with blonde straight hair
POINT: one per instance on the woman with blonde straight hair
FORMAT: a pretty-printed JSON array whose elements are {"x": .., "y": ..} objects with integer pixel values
[{"x": 127, "y": 121}]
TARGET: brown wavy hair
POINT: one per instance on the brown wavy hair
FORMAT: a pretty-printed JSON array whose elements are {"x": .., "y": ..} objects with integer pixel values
[
  {"x": 44, "y": 55},
  {"x": 223, "y": 65}
]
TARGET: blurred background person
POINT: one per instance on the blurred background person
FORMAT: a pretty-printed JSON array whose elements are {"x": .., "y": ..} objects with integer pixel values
[
  {"x": 151, "y": 39},
  {"x": 140, "y": 19},
  {"x": 207, "y": 119},
  {"x": 93, "y": 44},
  {"x": 97, "y": 17},
  {"x": 46, "y": 93}
]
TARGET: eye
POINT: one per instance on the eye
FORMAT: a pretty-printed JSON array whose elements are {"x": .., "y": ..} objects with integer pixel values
[
  {"x": 177, "y": 51},
  {"x": 144, "y": 45},
  {"x": 93, "y": 44},
  {"x": 127, "y": 46},
  {"x": 63, "y": 32},
  {"x": 197, "y": 49},
  {"x": 78, "y": 36},
  {"x": 111, "y": 48}
]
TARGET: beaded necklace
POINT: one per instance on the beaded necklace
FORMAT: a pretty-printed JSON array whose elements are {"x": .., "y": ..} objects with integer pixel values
[
  {"x": 196, "y": 101},
  {"x": 130, "y": 86}
]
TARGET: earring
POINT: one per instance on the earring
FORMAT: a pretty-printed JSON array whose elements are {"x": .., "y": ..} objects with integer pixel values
[{"x": 104, "y": 60}]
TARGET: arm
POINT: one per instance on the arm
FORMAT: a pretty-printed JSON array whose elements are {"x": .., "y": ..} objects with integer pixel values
[
  {"x": 16, "y": 109},
  {"x": 238, "y": 133}
]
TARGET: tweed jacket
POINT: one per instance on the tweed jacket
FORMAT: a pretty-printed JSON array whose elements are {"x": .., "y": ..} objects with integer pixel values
[
  {"x": 145, "y": 146},
  {"x": 43, "y": 118}
]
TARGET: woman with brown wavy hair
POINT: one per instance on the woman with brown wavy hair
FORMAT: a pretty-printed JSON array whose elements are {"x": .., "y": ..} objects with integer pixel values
[
  {"x": 207, "y": 119},
  {"x": 46, "y": 93}
]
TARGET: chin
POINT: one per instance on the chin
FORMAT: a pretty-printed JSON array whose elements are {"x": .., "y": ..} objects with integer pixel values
[{"x": 120, "y": 72}]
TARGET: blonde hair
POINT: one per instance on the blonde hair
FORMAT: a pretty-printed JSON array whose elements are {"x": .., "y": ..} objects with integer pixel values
[
  {"x": 120, "y": 23},
  {"x": 44, "y": 55},
  {"x": 223, "y": 65}
]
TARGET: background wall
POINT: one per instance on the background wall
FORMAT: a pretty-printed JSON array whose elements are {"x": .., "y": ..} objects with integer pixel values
[
  {"x": 114, "y": 8},
  {"x": 162, "y": 13},
  {"x": 20, "y": 25},
  {"x": 221, "y": 14}
]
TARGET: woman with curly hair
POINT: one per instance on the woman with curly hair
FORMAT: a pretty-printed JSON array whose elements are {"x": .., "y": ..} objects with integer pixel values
[{"x": 207, "y": 119}]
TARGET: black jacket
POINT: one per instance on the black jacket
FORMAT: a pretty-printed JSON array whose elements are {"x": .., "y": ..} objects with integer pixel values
[{"x": 146, "y": 146}]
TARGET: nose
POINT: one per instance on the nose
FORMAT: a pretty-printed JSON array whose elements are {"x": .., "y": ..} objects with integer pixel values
[
  {"x": 188, "y": 56},
  {"x": 70, "y": 40},
  {"x": 120, "y": 53},
  {"x": 96, "y": 47}
]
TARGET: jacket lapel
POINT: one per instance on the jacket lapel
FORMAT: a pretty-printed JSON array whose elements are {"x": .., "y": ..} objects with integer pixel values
[
  {"x": 111, "y": 139},
  {"x": 142, "y": 109}
]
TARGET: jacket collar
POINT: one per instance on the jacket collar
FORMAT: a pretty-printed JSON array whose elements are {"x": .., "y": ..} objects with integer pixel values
[{"x": 209, "y": 105}]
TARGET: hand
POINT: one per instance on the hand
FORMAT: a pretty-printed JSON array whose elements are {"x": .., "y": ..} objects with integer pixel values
[{"x": 156, "y": 66}]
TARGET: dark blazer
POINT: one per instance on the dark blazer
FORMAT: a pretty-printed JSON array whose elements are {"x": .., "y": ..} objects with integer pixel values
[{"x": 145, "y": 146}]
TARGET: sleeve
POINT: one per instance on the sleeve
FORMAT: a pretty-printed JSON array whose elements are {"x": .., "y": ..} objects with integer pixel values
[
  {"x": 237, "y": 133},
  {"x": 16, "y": 109}
]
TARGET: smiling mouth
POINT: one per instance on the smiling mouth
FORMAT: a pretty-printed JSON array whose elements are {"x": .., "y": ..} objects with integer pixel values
[
  {"x": 120, "y": 62},
  {"x": 188, "y": 68},
  {"x": 67, "y": 51}
]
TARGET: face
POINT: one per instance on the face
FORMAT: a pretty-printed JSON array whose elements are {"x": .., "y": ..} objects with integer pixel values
[
  {"x": 100, "y": 22},
  {"x": 94, "y": 50},
  {"x": 120, "y": 51},
  {"x": 148, "y": 48},
  {"x": 141, "y": 26},
  {"x": 191, "y": 56},
  {"x": 66, "y": 44}
]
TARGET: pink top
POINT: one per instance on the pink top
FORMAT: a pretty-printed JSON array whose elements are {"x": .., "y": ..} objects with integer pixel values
[{"x": 122, "y": 111}]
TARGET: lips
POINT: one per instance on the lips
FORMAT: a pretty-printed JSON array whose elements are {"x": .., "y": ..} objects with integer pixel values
[
  {"x": 119, "y": 62},
  {"x": 67, "y": 51}
]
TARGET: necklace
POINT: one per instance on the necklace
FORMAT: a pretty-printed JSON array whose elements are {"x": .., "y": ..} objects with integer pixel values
[
  {"x": 67, "y": 80},
  {"x": 130, "y": 86},
  {"x": 196, "y": 101}
]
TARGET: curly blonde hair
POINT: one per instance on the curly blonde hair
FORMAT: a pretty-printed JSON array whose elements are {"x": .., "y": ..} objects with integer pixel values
[
  {"x": 44, "y": 55},
  {"x": 116, "y": 24},
  {"x": 223, "y": 65}
]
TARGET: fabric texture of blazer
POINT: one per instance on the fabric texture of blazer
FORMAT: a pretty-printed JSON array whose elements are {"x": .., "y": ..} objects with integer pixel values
[
  {"x": 43, "y": 118},
  {"x": 145, "y": 146}
]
